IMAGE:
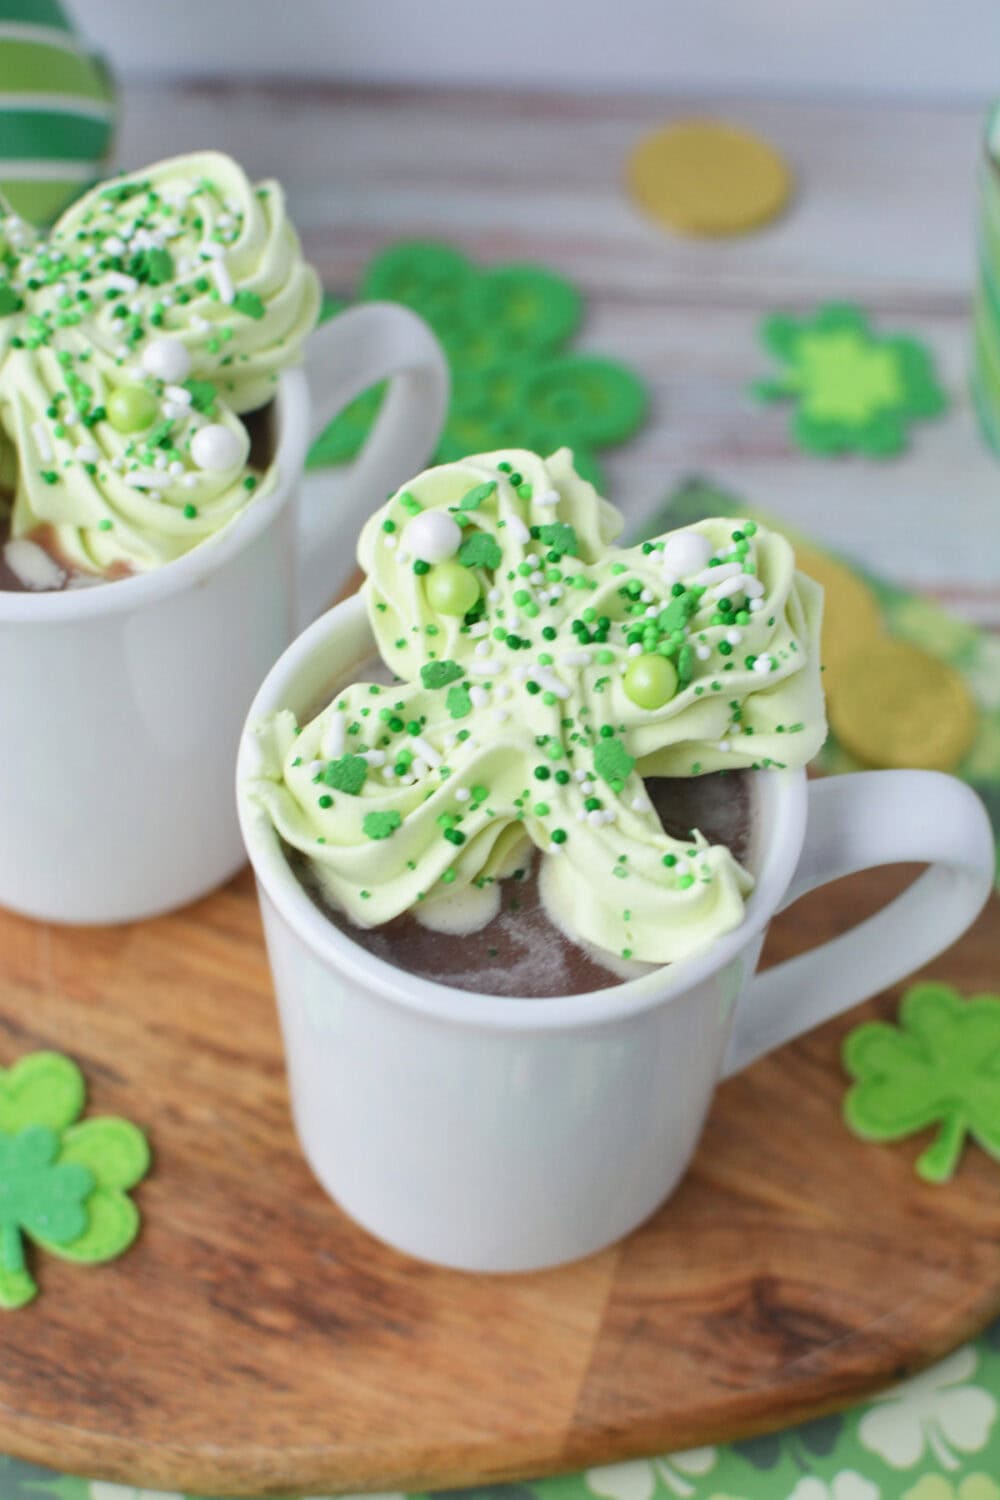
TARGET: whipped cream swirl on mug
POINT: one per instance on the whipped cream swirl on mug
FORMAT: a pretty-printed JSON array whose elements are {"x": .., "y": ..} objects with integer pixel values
[
  {"x": 161, "y": 306},
  {"x": 543, "y": 674}
]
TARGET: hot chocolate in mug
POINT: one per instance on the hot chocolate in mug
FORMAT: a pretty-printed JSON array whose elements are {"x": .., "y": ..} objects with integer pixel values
[
  {"x": 496, "y": 1134},
  {"x": 121, "y": 705}
]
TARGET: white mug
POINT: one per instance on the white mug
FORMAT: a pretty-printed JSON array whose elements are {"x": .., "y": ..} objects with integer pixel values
[
  {"x": 497, "y": 1134},
  {"x": 121, "y": 706}
]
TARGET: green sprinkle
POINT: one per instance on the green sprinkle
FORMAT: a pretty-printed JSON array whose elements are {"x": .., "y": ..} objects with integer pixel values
[
  {"x": 473, "y": 499},
  {"x": 458, "y": 702},
  {"x": 438, "y": 674},
  {"x": 561, "y": 536},
  {"x": 249, "y": 304},
  {"x": 559, "y": 835},
  {"x": 612, "y": 761},
  {"x": 410, "y": 503},
  {"x": 381, "y": 825},
  {"x": 346, "y": 774},
  {"x": 481, "y": 550}
]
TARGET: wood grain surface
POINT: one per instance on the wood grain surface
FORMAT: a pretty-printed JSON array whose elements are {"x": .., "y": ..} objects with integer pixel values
[{"x": 256, "y": 1341}]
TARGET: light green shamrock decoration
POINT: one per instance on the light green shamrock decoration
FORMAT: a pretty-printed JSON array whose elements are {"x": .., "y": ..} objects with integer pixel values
[
  {"x": 940, "y": 1065},
  {"x": 62, "y": 1185},
  {"x": 855, "y": 390}
]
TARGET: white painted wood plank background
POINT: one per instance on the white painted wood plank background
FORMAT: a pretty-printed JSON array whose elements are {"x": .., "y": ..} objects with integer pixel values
[{"x": 884, "y": 215}]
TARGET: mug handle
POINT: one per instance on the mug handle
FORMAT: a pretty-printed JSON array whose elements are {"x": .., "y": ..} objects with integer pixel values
[
  {"x": 855, "y": 822},
  {"x": 344, "y": 357}
]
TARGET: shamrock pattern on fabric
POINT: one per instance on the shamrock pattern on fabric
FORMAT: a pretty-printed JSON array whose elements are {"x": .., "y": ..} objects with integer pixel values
[
  {"x": 937, "y": 1410},
  {"x": 936, "y": 1487},
  {"x": 514, "y": 383},
  {"x": 637, "y": 1480},
  {"x": 940, "y": 1065},
  {"x": 854, "y": 390},
  {"x": 811, "y": 1439},
  {"x": 847, "y": 1485},
  {"x": 63, "y": 1186}
]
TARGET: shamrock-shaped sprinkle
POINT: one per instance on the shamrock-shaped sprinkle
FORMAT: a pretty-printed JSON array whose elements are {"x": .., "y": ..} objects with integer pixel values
[
  {"x": 157, "y": 309},
  {"x": 537, "y": 688},
  {"x": 939, "y": 1066},
  {"x": 62, "y": 1185},
  {"x": 854, "y": 390},
  {"x": 505, "y": 331}
]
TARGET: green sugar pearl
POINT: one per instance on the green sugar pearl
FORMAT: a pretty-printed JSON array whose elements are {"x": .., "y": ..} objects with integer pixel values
[
  {"x": 131, "y": 408},
  {"x": 650, "y": 680},
  {"x": 451, "y": 589}
]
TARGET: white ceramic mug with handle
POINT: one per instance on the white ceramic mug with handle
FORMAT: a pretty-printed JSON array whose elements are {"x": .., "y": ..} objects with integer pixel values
[
  {"x": 497, "y": 1134},
  {"x": 121, "y": 706}
]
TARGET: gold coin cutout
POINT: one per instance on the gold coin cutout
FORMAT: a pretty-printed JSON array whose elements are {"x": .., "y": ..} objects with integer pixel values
[
  {"x": 704, "y": 177},
  {"x": 851, "y": 613},
  {"x": 898, "y": 706}
]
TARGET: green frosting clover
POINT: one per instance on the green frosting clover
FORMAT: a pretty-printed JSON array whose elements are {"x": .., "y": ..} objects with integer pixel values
[
  {"x": 940, "y": 1065},
  {"x": 62, "y": 1185},
  {"x": 855, "y": 390},
  {"x": 504, "y": 331}
]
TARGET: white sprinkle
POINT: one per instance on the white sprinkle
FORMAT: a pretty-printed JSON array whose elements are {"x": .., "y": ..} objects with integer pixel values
[
  {"x": 223, "y": 281},
  {"x": 478, "y": 696},
  {"x": 710, "y": 576},
  {"x": 734, "y": 637},
  {"x": 739, "y": 583},
  {"x": 485, "y": 666},
  {"x": 595, "y": 818},
  {"x": 334, "y": 736},
  {"x": 514, "y": 623},
  {"x": 518, "y": 530},
  {"x": 580, "y": 774},
  {"x": 536, "y": 578},
  {"x": 419, "y": 767},
  {"x": 119, "y": 282},
  {"x": 211, "y": 250},
  {"x": 178, "y": 395},
  {"x": 389, "y": 542},
  {"x": 547, "y": 497},
  {"x": 160, "y": 462},
  {"x": 554, "y": 849},
  {"x": 484, "y": 648},
  {"x": 450, "y": 740},
  {"x": 503, "y": 692},
  {"x": 40, "y": 434},
  {"x": 88, "y": 453},
  {"x": 551, "y": 683},
  {"x": 314, "y": 767},
  {"x": 652, "y": 610},
  {"x": 172, "y": 411},
  {"x": 426, "y": 751},
  {"x": 703, "y": 652},
  {"x": 635, "y": 649},
  {"x": 724, "y": 746},
  {"x": 555, "y": 595},
  {"x": 493, "y": 596},
  {"x": 462, "y": 794},
  {"x": 374, "y": 757},
  {"x": 199, "y": 324},
  {"x": 117, "y": 463},
  {"x": 501, "y": 716},
  {"x": 581, "y": 815},
  {"x": 755, "y": 605},
  {"x": 143, "y": 479},
  {"x": 176, "y": 469},
  {"x": 764, "y": 664},
  {"x": 639, "y": 804},
  {"x": 587, "y": 787},
  {"x": 575, "y": 658},
  {"x": 522, "y": 673},
  {"x": 646, "y": 596},
  {"x": 402, "y": 555},
  {"x": 478, "y": 630},
  {"x": 113, "y": 246},
  {"x": 610, "y": 815},
  {"x": 190, "y": 481}
]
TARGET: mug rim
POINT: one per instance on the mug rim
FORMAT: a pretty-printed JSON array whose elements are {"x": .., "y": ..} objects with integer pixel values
[
  {"x": 468, "y": 1009},
  {"x": 48, "y": 607}
]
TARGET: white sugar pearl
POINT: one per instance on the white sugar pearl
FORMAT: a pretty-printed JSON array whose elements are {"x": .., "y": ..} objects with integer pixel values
[
  {"x": 702, "y": 652},
  {"x": 433, "y": 536},
  {"x": 686, "y": 552},
  {"x": 217, "y": 448},
  {"x": 166, "y": 359}
]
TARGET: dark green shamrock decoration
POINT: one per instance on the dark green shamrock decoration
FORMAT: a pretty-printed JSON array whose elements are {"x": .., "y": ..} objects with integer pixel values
[
  {"x": 854, "y": 390},
  {"x": 939, "y": 1066},
  {"x": 63, "y": 1186},
  {"x": 504, "y": 331},
  {"x": 814, "y": 1439}
]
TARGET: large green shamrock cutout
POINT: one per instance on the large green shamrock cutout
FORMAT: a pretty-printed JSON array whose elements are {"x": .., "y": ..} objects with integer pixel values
[
  {"x": 62, "y": 1185},
  {"x": 854, "y": 390},
  {"x": 940, "y": 1065},
  {"x": 504, "y": 331}
]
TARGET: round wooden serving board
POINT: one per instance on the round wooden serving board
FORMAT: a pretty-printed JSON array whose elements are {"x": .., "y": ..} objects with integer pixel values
[{"x": 255, "y": 1340}]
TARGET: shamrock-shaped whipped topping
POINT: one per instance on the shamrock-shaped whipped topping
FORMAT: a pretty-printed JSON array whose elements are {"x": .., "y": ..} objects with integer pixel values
[
  {"x": 545, "y": 672},
  {"x": 159, "y": 307},
  {"x": 854, "y": 390},
  {"x": 939, "y": 1066},
  {"x": 62, "y": 1185}
]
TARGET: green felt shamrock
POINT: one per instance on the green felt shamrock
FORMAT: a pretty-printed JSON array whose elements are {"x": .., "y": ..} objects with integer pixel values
[
  {"x": 855, "y": 390},
  {"x": 504, "y": 331},
  {"x": 62, "y": 1185},
  {"x": 940, "y": 1065}
]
